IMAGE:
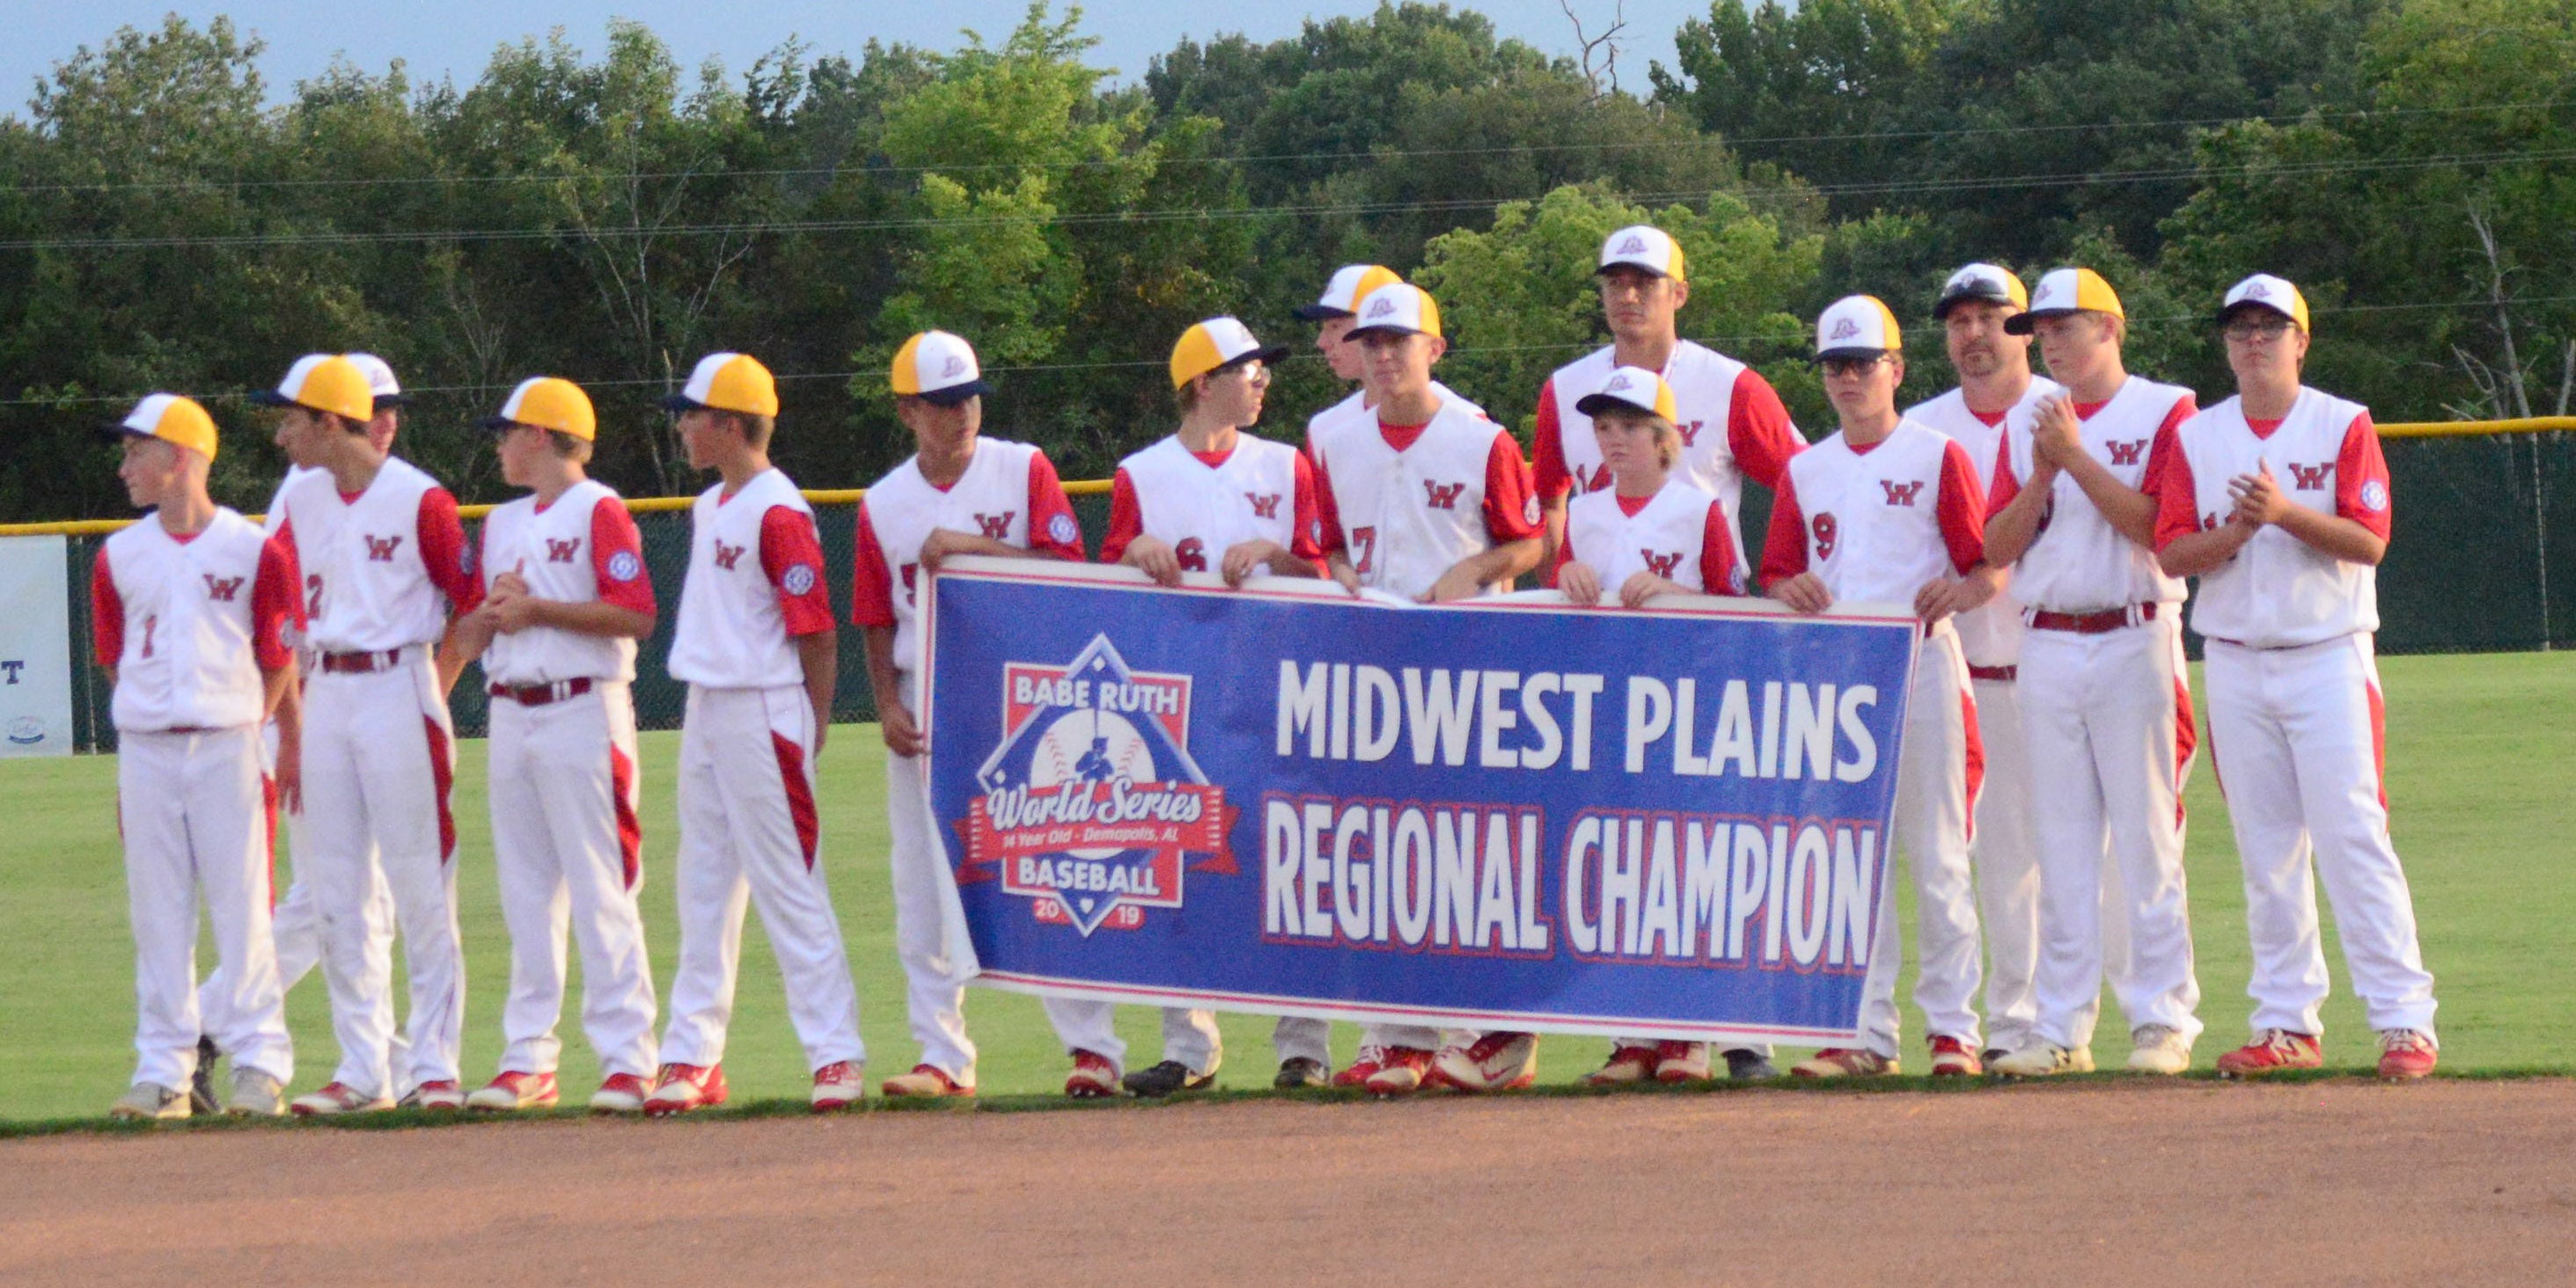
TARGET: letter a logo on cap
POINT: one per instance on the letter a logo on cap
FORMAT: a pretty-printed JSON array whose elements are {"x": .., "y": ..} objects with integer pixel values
[
  {"x": 955, "y": 366},
  {"x": 1381, "y": 307},
  {"x": 1619, "y": 381},
  {"x": 1844, "y": 329},
  {"x": 1635, "y": 245},
  {"x": 2256, "y": 290}
]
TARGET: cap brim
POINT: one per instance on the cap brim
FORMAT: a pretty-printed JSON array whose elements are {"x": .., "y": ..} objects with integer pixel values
[
  {"x": 1941, "y": 307},
  {"x": 117, "y": 429},
  {"x": 1647, "y": 269},
  {"x": 271, "y": 398},
  {"x": 682, "y": 402},
  {"x": 392, "y": 400},
  {"x": 497, "y": 423},
  {"x": 1385, "y": 327},
  {"x": 1831, "y": 355},
  {"x": 1263, "y": 356},
  {"x": 952, "y": 395},
  {"x": 2230, "y": 311},
  {"x": 1319, "y": 313},
  {"x": 1595, "y": 404}
]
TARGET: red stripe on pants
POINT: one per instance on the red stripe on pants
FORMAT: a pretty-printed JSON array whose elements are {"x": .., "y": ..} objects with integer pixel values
[
  {"x": 268, "y": 839},
  {"x": 2186, "y": 740},
  {"x": 442, "y": 779},
  {"x": 630, "y": 830},
  {"x": 1976, "y": 755},
  {"x": 2378, "y": 740},
  {"x": 800, "y": 795}
]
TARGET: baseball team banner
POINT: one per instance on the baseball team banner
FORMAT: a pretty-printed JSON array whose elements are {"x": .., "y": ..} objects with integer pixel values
[{"x": 1514, "y": 814}]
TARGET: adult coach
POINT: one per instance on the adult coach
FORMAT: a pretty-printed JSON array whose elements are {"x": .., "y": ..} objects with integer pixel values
[
  {"x": 2106, "y": 711},
  {"x": 383, "y": 556},
  {"x": 565, "y": 597},
  {"x": 193, "y": 609},
  {"x": 2278, "y": 500},
  {"x": 1890, "y": 510},
  {"x": 960, "y": 493},
  {"x": 756, "y": 646}
]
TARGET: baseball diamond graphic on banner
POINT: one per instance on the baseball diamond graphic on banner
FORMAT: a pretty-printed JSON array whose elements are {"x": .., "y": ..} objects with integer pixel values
[{"x": 1512, "y": 814}]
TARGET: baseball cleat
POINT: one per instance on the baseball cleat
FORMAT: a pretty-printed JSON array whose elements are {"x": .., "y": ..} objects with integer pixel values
[
  {"x": 514, "y": 1090},
  {"x": 1399, "y": 1071},
  {"x": 838, "y": 1086},
  {"x": 201, "y": 1084},
  {"x": 1952, "y": 1058},
  {"x": 1297, "y": 1072},
  {"x": 2272, "y": 1051},
  {"x": 620, "y": 1093},
  {"x": 2405, "y": 1055},
  {"x": 926, "y": 1080},
  {"x": 1994, "y": 1053},
  {"x": 256, "y": 1095},
  {"x": 149, "y": 1102},
  {"x": 334, "y": 1099},
  {"x": 444, "y": 1094},
  {"x": 1165, "y": 1079},
  {"x": 1744, "y": 1064},
  {"x": 1681, "y": 1062},
  {"x": 2159, "y": 1048},
  {"x": 1627, "y": 1066},
  {"x": 1495, "y": 1062},
  {"x": 681, "y": 1088},
  {"x": 2044, "y": 1059},
  {"x": 1844, "y": 1062},
  {"x": 1371, "y": 1059},
  {"x": 1093, "y": 1077}
]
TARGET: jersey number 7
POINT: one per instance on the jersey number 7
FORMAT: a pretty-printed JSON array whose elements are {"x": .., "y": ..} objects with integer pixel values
[{"x": 1364, "y": 541}]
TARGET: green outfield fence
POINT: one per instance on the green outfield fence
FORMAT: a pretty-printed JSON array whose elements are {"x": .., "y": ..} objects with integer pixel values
[{"x": 2483, "y": 560}]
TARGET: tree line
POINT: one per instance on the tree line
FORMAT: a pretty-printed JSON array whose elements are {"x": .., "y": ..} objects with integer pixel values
[{"x": 166, "y": 222}]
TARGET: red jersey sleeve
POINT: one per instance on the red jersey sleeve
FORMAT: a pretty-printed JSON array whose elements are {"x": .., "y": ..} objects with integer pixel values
[
  {"x": 1962, "y": 508},
  {"x": 106, "y": 613},
  {"x": 442, "y": 551},
  {"x": 1052, "y": 528},
  {"x": 617, "y": 558},
  {"x": 1126, "y": 518},
  {"x": 1759, "y": 432},
  {"x": 276, "y": 607},
  {"x": 2177, "y": 499},
  {"x": 1327, "y": 512},
  {"x": 1547, "y": 448},
  {"x": 2361, "y": 478},
  {"x": 2167, "y": 445},
  {"x": 1511, "y": 508},
  {"x": 2007, "y": 484},
  {"x": 1717, "y": 575},
  {"x": 871, "y": 578},
  {"x": 1307, "y": 542},
  {"x": 1784, "y": 546},
  {"x": 793, "y": 557}
]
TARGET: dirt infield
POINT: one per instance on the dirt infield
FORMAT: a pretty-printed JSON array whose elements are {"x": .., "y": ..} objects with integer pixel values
[{"x": 2342, "y": 1182}]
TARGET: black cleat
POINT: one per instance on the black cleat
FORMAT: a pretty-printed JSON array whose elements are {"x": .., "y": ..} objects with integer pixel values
[
  {"x": 1301, "y": 1072},
  {"x": 1991, "y": 1054},
  {"x": 1745, "y": 1064},
  {"x": 1164, "y": 1079},
  {"x": 201, "y": 1085}
]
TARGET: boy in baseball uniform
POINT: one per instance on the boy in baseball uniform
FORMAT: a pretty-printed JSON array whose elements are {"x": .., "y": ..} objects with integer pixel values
[
  {"x": 2278, "y": 500},
  {"x": 565, "y": 597},
  {"x": 1889, "y": 510},
  {"x": 959, "y": 494},
  {"x": 756, "y": 646},
  {"x": 1430, "y": 501},
  {"x": 383, "y": 557},
  {"x": 2106, "y": 707},
  {"x": 1212, "y": 498},
  {"x": 194, "y": 610}
]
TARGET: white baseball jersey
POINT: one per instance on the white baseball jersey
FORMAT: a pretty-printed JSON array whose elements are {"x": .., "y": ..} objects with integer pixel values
[
  {"x": 2079, "y": 563},
  {"x": 2279, "y": 591},
  {"x": 1009, "y": 493},
  {"x": 1991, "y": 634},
  {"x": 1357, "y": 410},
  {"x": 1680, "y": 534},
  {"x": 582, "y": 548},
  {"x": 1260, "y": 491},
  {"x": 1731, "y": 422},
  {"x": 1406, "y": 514},
  {"x": 383, "y": 569},
  {"x": 187, "y": 624},
  {"x": 1879, "y": 523},
  {"x": 744, "y": 567}
]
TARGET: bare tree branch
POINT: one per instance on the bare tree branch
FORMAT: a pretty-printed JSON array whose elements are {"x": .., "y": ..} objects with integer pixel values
[{"x": 1604, "y": 48}]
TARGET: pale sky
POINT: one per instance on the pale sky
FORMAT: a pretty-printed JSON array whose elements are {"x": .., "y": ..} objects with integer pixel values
[{"x": 456, "y": 37}]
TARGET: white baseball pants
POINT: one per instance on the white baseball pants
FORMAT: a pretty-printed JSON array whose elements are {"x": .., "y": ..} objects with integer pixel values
[
  {"x": 569, "y": 850},
  {"x": 1937, "y": 781},
  {"x": 2106, "y": 722},
  {"x": 2298, "y": 736},
  {"x": 749, "y": 833},
  {"x": 1301, "y": 1037},
  {"x": 379, "y": 759},
  {"x": 194, "y": 817}
]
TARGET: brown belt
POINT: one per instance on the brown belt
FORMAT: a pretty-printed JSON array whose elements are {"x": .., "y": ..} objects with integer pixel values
[
  {"x": 361, "y": 663},
  {"x": 538, "y": 695},
  {"x": 2101, "y": 623},
  {"x": 1994, "y": 672}
]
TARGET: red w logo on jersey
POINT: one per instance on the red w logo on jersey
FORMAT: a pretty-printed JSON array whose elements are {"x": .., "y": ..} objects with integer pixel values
[
  {"x": 2127, "y": 453},
  {"x": 1443, "y": 496},
  {"x": 1901, "y": 493},
  {"x": 1661, "y": 565},
  {"x": 1263, "y": 507},
  {"x": 381, "y": 549},
  {"x": 726, "y": 555},
  {"x": 2310, "y": 478},
  {"x": 997, "y": 527},
  {"x": 1191, "y": 554},
  {"x": 222, "y": 588},
  {"x": 562, "y": 551}
]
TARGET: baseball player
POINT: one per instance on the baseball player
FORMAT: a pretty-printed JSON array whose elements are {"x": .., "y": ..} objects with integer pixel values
[
  {"x": 383, "y": 558},
  {"x": 2105, "y": 702},
  {"x": 1212, "y": 498},
  {"x": 756, "y": 646},
  {"x": 1890, "y": 510},
  {"x": 959, "y": 494},
  {"x": 2278, "y": 500},
  {"x": 564, "y": 600},
  {"x": 1427, "y": 500},
  {"x": 193, "y": 613}
]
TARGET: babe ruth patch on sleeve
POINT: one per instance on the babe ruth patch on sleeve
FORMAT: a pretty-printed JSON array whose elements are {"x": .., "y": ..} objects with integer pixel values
[
  {"x": 624, "y": 566},
  {"x": 1061, "y": 529},
  {"x": 2374, "y": 496},
  {"x": 799, "y": 579},
  {"x": 1529, "y": 509}
]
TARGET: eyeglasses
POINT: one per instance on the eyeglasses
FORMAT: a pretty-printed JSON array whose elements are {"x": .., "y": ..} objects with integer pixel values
[
  {"x": 1845, "y": 368},
  {"x": 2250, "y": 331}
]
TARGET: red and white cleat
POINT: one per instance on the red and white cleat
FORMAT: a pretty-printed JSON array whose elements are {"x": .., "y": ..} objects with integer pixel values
[
  {"x": 2405, "y": 1055},
  {"x": 335, "y": 1099},
  {"x": 1952, "y": 1058},
  {"x": 926, "y": 1080},
  {"x": 1093, "y": 1077},
  {"x": 514, "y": 1090},
  {"x": 1494, "y": 1062},
  {"x": 1626, "y": 1067},
  {"x": 838, "y": 1086},
  {"x": 620, "y": 1093},
  {"x": 683, "y": 1088},
  {"x": 2271, "y": 1052}
]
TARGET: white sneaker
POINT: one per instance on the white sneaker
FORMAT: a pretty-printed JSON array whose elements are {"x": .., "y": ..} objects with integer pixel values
[
  {"x": 1500, "y": 1061},
  {"x": 256, "y": 1095},
  {"x": 149, "y": 1102},
  {"x": 2159, "y": 1048},
  {"x": 2042, "y": 1059},
  {"x": 334, "y": 1099}
]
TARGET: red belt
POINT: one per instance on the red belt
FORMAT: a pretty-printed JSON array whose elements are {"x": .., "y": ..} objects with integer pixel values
[
  {"x": 1994, "y": 672},
  {"x": 538, "y": 695},
  {"x": 361, "y": 663},
  {"x": 2101, "y": 623}
]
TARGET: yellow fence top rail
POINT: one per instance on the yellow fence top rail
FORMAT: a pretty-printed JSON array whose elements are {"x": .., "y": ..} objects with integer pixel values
[{"x": 2474, "y": 428}]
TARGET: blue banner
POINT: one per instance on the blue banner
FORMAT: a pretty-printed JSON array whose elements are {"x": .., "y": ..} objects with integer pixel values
[{"x": 1512, "y": 814}]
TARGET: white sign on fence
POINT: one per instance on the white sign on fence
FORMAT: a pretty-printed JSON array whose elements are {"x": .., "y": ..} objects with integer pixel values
[{"x": 35, "y": 647}]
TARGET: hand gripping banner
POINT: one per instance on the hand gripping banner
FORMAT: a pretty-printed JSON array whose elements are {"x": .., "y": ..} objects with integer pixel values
[{"x": 1511, "y": 814}]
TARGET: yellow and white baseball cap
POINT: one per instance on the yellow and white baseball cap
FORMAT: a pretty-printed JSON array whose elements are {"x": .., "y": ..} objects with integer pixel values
[
  {"x": 1214, "y": 345},
  {"x": 1351, "y": 284},
  {"x": 1401, "y": 307},
  {"x": 1644, "y": 246},
  {"x": 548, "y": 402},
  {"x": 1987, "y": 283},
  {"x": 734, "y": 382},
  {"x": 1857, "y": 326},
  {"x": 940, "y": 367},
  {"x": 380, "y": 379},
  {"x": 172, "y": 419},
  {"x": 323, "y": 382},
  {"x": 1631, "y": 389},
  {"x": 2064, "y": 291},
  {"x": 2264, "y": 291}
]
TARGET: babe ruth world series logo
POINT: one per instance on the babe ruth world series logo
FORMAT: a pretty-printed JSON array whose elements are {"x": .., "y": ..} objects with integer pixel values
[{"x": 1092, "y": 808}]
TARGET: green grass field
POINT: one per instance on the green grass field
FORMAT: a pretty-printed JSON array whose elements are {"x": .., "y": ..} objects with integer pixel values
[{"x": 2477, "y": 751}]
